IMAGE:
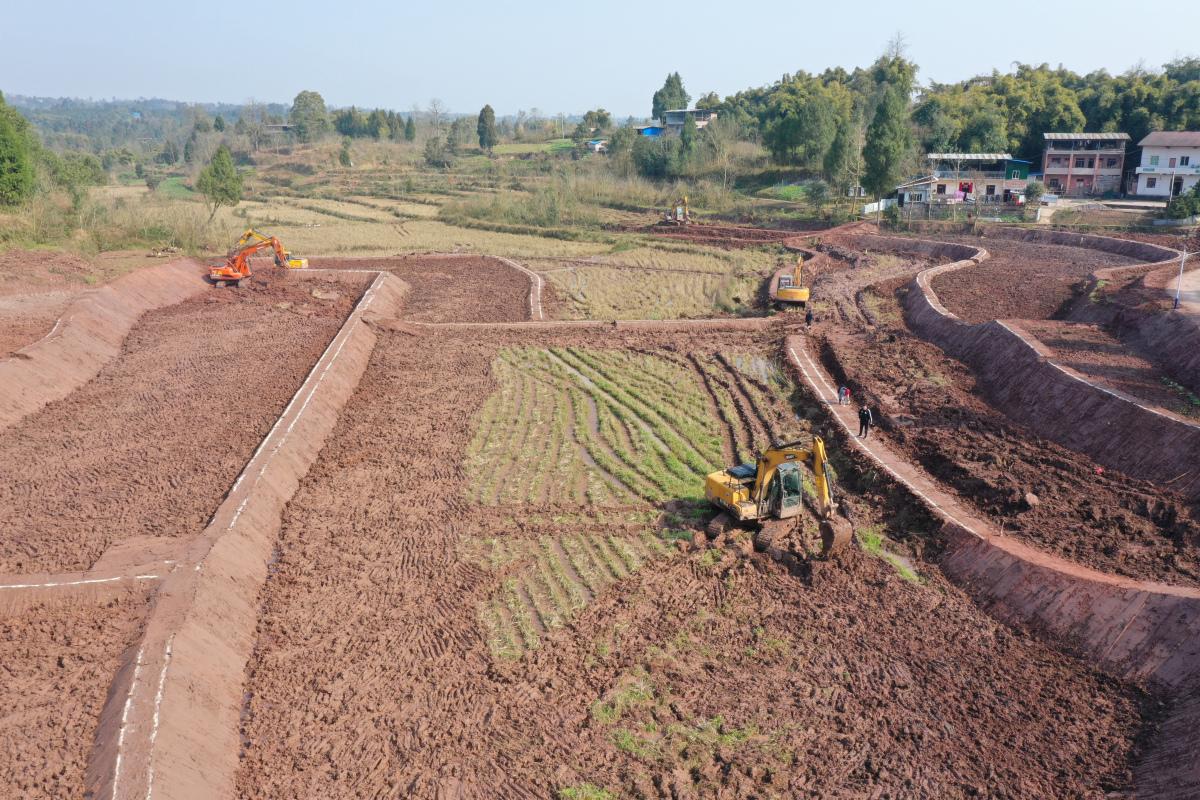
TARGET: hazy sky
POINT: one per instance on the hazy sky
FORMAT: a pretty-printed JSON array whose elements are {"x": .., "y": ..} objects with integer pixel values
[{"x": 556, "y": 56}]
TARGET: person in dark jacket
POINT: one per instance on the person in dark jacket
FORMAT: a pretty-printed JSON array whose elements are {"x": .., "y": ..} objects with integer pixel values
[
  {"x": 808, "y": 318},
  {"x": 865, "y": 420}
]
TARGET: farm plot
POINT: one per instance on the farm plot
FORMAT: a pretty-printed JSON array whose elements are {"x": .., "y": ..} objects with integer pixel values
[
  {"x": 1020, "y": 280},
  {"x": 58, "y": 662},
  {"x": 150, "y": 446},
  {"x": 571, "y": 424},
  {"x": 548, "y": 580}
]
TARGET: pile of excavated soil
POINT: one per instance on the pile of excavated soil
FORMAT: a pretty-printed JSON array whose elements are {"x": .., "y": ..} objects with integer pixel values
[
  {"x": 452, "y": 288},
  {"x": 1105, "y": 359},
  {"x": 1021, "y": 280},
  {"x": 152, "y": 444},
  {"x": 58, "y": 662},
  {"x": 1059, "y": 500},
  {"x": 704, "y": 674}
]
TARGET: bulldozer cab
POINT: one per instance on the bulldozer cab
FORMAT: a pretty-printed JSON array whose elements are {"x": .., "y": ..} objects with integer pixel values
[{"x": 785, "y": 495}]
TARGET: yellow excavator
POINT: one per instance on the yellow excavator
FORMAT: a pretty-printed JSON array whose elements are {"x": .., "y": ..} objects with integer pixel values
[
  {"x": 789, "y": 291},
  {"x": 237, "y": 262},
  {"x": 773, "y": 489},
  {"x": 679, "y": 213}
]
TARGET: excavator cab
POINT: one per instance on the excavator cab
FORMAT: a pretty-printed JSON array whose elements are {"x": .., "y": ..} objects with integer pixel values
[{"x": 785, "y": 495}]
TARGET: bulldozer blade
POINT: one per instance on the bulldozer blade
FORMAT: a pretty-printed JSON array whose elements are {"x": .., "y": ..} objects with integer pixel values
[{"x": 835, "y": 535}]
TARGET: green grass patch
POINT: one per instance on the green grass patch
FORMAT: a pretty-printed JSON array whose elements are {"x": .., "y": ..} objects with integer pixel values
[
  {"x": 175, "y": 189},
  {"x": 871, "y": 540},
  {"x": 585, "y": 791}
]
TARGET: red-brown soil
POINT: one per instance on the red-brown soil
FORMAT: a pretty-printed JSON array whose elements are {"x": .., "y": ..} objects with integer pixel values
[
  {"x": 58, "y": 662},
  {"x": 372, "y": 675},
  {"x": 1059, "y": 500},
  {"x": 1020, "y": 280},
  {"x": 1103, "y": 358},
  {"x": 728, "y": 236},
  {"x": 452, "y": 288},
  {"x": 35, "y": 287},
  {"x": 151, "y": 445}
]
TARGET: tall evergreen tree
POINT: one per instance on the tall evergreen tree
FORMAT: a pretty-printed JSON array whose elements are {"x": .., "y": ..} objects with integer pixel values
[
  {"x": 888, "y": 144},
  {"x": 671, "y": 96},
  {"x": 486, "y": 128},
  {"x": 220, "y": 182},
  {"x": 410, "y": 130}
]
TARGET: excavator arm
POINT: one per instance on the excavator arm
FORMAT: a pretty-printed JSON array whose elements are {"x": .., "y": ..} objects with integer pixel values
[{"x": 237, "y": 264}]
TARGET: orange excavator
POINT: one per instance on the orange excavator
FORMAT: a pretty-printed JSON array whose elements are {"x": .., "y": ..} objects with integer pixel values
[{"x": 237, "y": 262}]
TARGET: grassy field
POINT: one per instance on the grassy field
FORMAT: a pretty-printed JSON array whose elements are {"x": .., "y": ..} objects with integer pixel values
[{"x": 575, "y": 425}]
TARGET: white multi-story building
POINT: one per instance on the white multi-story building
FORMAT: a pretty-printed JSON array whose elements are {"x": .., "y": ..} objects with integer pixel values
[{"x": 1170, "y": 163}]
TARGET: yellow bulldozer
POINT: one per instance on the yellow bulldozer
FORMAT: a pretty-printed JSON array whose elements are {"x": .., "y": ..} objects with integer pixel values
[
  {"x": 789, "y": 291},
  {"x": 772, "y": 488}
]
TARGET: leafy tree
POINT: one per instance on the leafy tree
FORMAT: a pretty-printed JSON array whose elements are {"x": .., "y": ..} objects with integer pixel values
[
  {"x": 219, "y": 124},
  {"x": 888, "y": 144},
  {"x": 309, "y": 117},
  {"x": 410, "y": 129},
  {"x": 687, "y": 136},
  {"x": 459, "y": 135},
  {"x": 485, "y": 127},
  {"x": 395, "y": 126},
  {"x": 436, "y": 153},
  {"x": 671, "y": 96},
  {"x": 169, "y": 153},
  {"x": 708, "y": 101},
  {"x": 17, "y": 177},
  {"x": 818, "y": 194},
  {"x": 189, "y": 148},
  {"x": 220, "y": 182},
  {"x": 656, "y": 157},
  {"x": 344, "y": 154},
  {"x": 843, "y": 161},
  {"x": 801, "y": 123},
  {"x": 720, "y": 136},
  {"x": 597, "y": 120}
]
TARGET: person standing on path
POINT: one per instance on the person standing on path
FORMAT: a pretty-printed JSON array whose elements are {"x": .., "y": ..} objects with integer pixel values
[
  {"x": 843, "y": 396},
  {"x": 808, "y": 317},
  {"x": 865, "y": 420}
]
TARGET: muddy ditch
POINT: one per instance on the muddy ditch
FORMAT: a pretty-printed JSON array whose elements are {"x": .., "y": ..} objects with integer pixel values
[
  {"x": 150, "y": 446},
  {"x": 679, "y": 674}
]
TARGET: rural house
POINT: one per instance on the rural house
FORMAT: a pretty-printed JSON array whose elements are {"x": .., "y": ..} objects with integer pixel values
[
  {"x": 1170, "y": 164},
  {"x": 1084, "y": 163},
  {"x": 674, "y": 119},
  {"x": 968, "y": 177}
]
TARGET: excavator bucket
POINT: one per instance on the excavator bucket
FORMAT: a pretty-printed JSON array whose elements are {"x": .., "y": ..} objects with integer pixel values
[{"x": 835, "y": 535}]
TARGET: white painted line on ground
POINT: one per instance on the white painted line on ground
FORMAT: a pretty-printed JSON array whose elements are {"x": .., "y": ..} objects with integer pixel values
[
  {"x": 158, "y": 697},
  {"x": 137, "y": 674},
  {"x": 535, "y": 288},
  {"x": 82, "y": 582}
]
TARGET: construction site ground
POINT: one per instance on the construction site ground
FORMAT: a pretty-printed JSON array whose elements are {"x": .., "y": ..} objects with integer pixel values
[
  {"x": 1019, "y": 280},
  {"x": 494, "y": 578},
  {"x": 693, "y": 674},
  {"x": 1058, "y": 499}
]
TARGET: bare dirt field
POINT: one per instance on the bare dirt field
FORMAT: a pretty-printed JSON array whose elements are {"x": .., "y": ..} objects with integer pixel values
[
  {"x": 453, "y": 288},
  {"x": 414, "y": 643},
  {"x": 151, "y": 445},
  {"x": 1058, "y": 499},
  {"x": 35, "y": 287},
  {"x": 1101, "y": 356},
  {"x": 58, "y": 662},
  {"x": 1021, "y": 280}
]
